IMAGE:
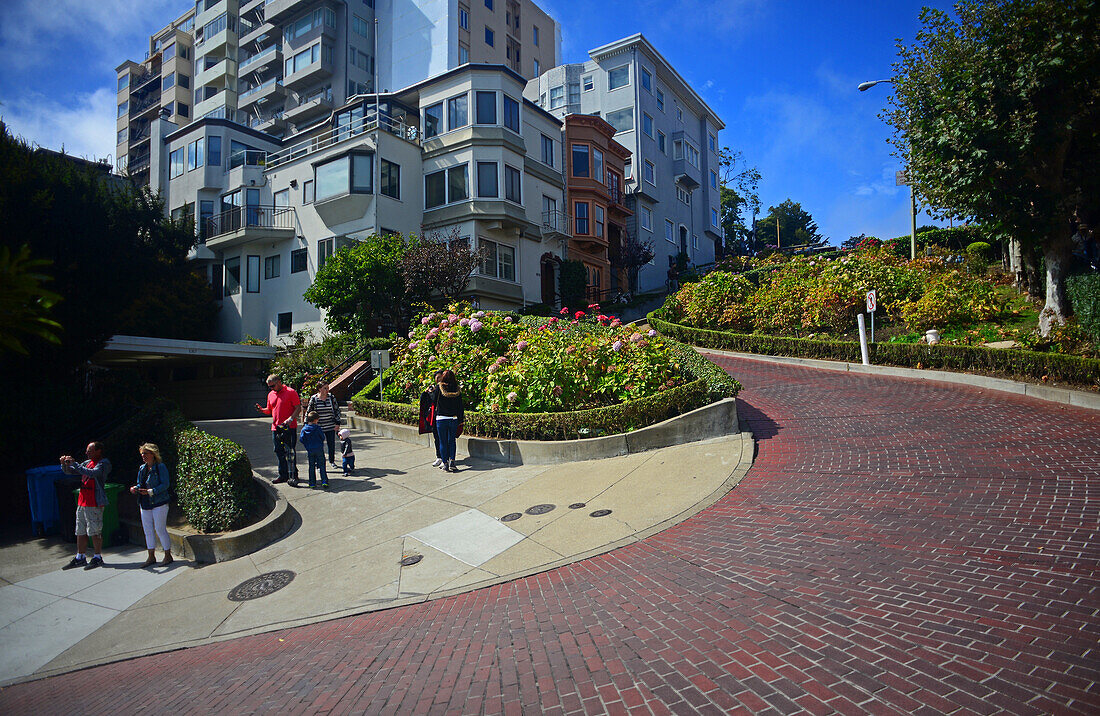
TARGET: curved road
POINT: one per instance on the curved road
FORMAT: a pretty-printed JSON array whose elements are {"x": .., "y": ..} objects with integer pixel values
[{"x": 898, "y": 547}]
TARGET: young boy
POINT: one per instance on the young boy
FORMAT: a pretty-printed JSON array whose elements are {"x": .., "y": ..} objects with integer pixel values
[
  {"x": 313, "y": 440},
  {"x": 346, "y": 451}
]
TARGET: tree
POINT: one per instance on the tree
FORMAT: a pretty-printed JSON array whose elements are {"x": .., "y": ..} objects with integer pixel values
[
  {"x": 738, "y": 193},
  {"x": 796, "y": 227},
  {"x": 24, "y": 303},
  {"x": 998, "y": 115},
  {"x": 437, "y": 269},
  {"x": 630, "y": 256},
  {"x": 361, "y": 286}
]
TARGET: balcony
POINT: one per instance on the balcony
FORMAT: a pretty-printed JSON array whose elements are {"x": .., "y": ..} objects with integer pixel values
[
  {"x": 243, "y": 224},
  {"x": 275, "y": 124},
  {"x": 308, "y": 75},
  {"x": 278, "y": 11},
  {"x": 262, "y": 60},
  {"x": 225, "y": 98},
  {"x": 147, "y": 106},
  {"x": 142, "y": 82},
  {"x": 261, "y": 33},
  {"x": 309, "y": 109},
  {"x": 335, "y": 136},
  {"x": 555, "y": 224},
  {"x": 264, "y": 92},
  {"x": 216, "y": 73},
  {"x": 248, "y": 158},
  {"x": 137, "y": 164}
]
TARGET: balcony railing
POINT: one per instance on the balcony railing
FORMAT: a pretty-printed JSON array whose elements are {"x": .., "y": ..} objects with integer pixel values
[
  {"x": 248, "y": 158},
  {"x": 273, "y": 82},
  {"x": 257, "y": 57},
  {"x": 555, "y": 221},
  {"x": 339, "y": 134},
  {"x": 250, "y": 217}
]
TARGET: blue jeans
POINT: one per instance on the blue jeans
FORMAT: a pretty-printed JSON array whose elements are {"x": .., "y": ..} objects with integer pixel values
[
  {"x": 317, "y": 459},
  {"x": 435, "y": 439},
  {"x": 349, "y": 465},
  {"x": 285, "y": 442},
  {"x": 448, "y": 433}
]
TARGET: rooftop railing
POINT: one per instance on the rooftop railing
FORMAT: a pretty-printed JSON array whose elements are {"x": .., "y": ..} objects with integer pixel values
[
  {"x": 340, "y": 134},
  {"x": 248, "y": 158}
]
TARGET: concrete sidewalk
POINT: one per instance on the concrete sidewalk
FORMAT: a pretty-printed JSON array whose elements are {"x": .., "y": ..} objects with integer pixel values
[{"x": 345, "y": 554}]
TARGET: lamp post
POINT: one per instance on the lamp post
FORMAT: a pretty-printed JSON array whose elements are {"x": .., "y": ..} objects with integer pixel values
[{"x": 863, "y": 87}]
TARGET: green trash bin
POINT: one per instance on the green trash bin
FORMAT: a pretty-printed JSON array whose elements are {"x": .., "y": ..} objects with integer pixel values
[{"x": 110, "y": 512}]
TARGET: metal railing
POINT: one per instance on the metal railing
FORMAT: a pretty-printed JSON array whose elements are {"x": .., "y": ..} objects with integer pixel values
[
  {"x": 137, "y": 164},
  {"x": 340, "y": 134},
  {"x": 250, "y": 217},
  {"x": 140, "y": 107},
  {"x": 257, "y": 57},
  {"x": 556, "y": 221},
  {"x": 247, "y": 158},
  {"x": 273, "y": 82}
]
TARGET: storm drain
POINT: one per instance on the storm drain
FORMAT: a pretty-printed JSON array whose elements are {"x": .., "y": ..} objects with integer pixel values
[
  {"x": 511, "y": 517},
  {"x": 539, "y": 509},
  {"x": 600, "y": 513},
  {"x": 577, "y": 505},
  {"x": 261, "y": 586},
  {"x": 411, "y": 560}
]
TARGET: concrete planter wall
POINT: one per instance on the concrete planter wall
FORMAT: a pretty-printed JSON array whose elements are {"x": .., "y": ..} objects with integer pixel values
[{"x": 709, "y": 421}]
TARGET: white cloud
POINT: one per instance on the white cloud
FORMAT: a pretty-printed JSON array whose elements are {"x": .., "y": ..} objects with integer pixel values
[
  {"x": 885, "y": 185},
  {"x": 85, "y": 127}
]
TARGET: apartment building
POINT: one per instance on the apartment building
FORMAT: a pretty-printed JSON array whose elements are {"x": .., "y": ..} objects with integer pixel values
[{"x": 671, "y": 178}]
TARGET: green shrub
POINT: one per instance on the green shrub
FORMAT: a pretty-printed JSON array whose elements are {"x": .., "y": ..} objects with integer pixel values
[
  {"x": 978, "y": 255},
  {"x": 572, "y": 281},
  {"x": 301, "y": 361},
  {"x": 211, "y": 476},
  {"x": 1009, "y": 363},
  {"x": 1083, "y": 291},
  {"x": 952, "y": 299}
]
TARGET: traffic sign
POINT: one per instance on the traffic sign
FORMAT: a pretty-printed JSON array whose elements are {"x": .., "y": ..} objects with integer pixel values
[
  {"x": 901, "y": 178},
  {"x": 871, "y": 302}
]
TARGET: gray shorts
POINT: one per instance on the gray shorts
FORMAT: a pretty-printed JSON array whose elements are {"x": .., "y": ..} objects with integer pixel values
[{"x": 89, "y": 520}]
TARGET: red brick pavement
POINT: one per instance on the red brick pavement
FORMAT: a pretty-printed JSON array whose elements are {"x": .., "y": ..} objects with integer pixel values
[{"x": 898, "y": 547}]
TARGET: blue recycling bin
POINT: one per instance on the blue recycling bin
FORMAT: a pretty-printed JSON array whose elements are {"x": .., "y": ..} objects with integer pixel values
[{"x": 43, "y": 497}]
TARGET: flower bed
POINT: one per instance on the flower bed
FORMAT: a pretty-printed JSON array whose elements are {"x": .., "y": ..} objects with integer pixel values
[{"x": 581, "y": 374}]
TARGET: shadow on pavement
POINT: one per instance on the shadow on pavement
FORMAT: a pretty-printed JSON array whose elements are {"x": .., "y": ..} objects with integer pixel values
[{"x": 756, "y": 421}]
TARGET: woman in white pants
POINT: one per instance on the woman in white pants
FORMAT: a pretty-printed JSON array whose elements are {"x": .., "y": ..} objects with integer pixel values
[{"x": 153, "y": 496}]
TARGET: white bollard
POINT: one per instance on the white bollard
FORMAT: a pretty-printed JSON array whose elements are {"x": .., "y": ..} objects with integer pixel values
[{"x": 863, "y": 340}]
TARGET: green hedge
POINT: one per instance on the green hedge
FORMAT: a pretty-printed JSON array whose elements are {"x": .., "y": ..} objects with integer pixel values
[
  {"x": 1083, "y": 291},
  {"x": 709, "y": 384},
  {"x": 1008, "y": 362},
  {"x": 211, "y": 476}
]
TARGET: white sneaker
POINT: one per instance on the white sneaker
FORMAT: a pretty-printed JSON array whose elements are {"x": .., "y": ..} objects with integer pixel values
[
  {"x": 452, "y": 467},
  {"x": 437, "y": 463}
]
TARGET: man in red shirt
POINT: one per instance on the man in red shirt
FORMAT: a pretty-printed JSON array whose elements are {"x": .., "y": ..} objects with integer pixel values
[
  {"x": 89, "y": 504},
  {"x": 283, "y": 405}
]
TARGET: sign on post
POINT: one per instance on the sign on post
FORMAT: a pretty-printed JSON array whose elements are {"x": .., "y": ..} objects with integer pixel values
[
  {"x": 872, "y": 304},
  {"x": 379, "y": 361},
  {"x": 901, "y": 178}
]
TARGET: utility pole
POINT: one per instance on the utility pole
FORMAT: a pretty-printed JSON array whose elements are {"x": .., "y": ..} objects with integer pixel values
[{"x": 778, "y": 241}]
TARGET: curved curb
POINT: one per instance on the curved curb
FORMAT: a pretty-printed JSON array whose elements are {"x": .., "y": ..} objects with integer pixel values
[
  {"x": 230, "y": 545},
  {"x": 710, "y": 421},
  {"x": 1064, "y": 396}
]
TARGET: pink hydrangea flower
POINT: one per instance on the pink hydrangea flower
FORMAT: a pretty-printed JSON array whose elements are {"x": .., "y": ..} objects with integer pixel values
[
  {"x": 616, "y": 323},
  {"x": 522, "y": 345},
  {"x": 507, "y": 319},
  {"x": 475, "y": 326},
  {"x": 594, "y": 307},
  {"x": 512, "y": 396},
  {"x": 479, "y": 314},
  {"x": 433, "y": 333},
  {"x": 464, "y": 322},
  {"x": 494, "y": 368},
  {"x": 651, "y": 333},
  {"x": 414, "y": 344},
  {"x": 634, "y": 338},
  {"x": 424, "y": 320},
  {"x": 570, "y": 349},
  {"x": 617, "y": 346}
]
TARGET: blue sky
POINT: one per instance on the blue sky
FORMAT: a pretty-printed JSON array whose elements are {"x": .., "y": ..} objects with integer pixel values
[{"x": 782, "y": 74}]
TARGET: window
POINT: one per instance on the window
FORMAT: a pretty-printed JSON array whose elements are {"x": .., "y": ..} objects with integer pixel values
[
  {"x": 214, "y": 151},
  {"x": 647, "y": 79},
  {"x": 121, "y": 136},
  {"x": 184, "y": 81},
  {"x": 487, "y": 180},
  {"x": 714, "y": 218},
  {"x": 123, "y": 107},
  {"x": 647, "y": 218},
  {"x": 547, "y": 151},
  {"x": 498, "y": 260},
  {"x": 253, "y": 274},
  {"x": 435, "y": 189},
  {"x": 586, "y": 83},
  {"x": 282, "y": 198},
  {"x": 678, "y": 149},
  {"x": 488, "y": 37},
  {"x": 574, "y": 93},
  {"x": 598, "y": 211},
  {"x": 536, "y": 66},
  {"x": 580, "y": 217},
  {"x": 628, "y": 168},
  {"x": 661, "y": 145},
  {"x": 679, "y": 113},
  {"x": 271, "y": 267},
  {"x": 463, "y": 54},
  {"x": 618, "y": 77},
  {"x": 168, "y": 82},
  {"x": 692, "y": 154},
  {"x": 283, "y": 323},
  {"x": 307, "y": 191},
  {"x": 433, "y": 120},
  {"x": 458, "y": 112},
  {"x": 712, "y": 142},
  {"x": 485, "y": 107},
  {"x": 621, "y": 119},
  {"x": 714, "y": 180},
  {"x": 325, "y": 249},
  {"x": 458, "y": 183},
  {"x": 670, "y": 231},
  {"x": 360, "y": 26},
  {"x": 650, "y": 173},
  {"x": 194, "y": 154},
  {"x": 660, "y": 99},
  {"x": 694, "y": 241},
  {"x": 580, "y": 160},
  {"x": 489, "y": 4},
  {"x": 512, "y": 184},
  {"x": 348, "y": 174},
  {"x": 182, "y": 109},
  {"x": 123, "y": 81},
  {"x": 305, "y": 58},
  {"x": 446, "y": 186},
  {"x": 391, "y": 179},
  {"x": 683, "y": 195},
  {"x": 299, "y": 260},
  {"x": 647, "y": 125},
  {"x": 535, "y": 35},
  {"x": 557, "y": 96},
  {"x": 463, "y": 18},
  {"x": 233, "y": 276},
  {"x": 175, "y": 163},
  {"x": 206, "y": 211},
  {"x": 511, "y": 114},
  {"x": 597, "y": 165}
]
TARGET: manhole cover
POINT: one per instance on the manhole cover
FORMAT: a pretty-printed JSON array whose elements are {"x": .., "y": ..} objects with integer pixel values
[
  {"x": 600, "y": 513},
  {"x": 511, "y": 517},
  {"x": 576, "y": 505},
  {"x": 261, "y": 586},
  {"x": 411, "y": 560},
  {"x": 539, "y": 509}
]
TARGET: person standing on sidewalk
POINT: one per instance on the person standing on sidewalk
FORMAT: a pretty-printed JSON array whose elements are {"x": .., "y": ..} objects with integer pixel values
[
  {"x": 427, "y": 415},
  {"x": 449, "y": 416},
  {"x": 283, "y": 405},
  {"x": 324, "y": 404},
  {"x": 313, "y": 440},
  {"x": 153, "y": 493},
  {"x": 89, "y": 504}
]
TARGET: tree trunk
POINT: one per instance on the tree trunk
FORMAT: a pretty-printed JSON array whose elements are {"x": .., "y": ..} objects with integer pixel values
[
  {"x": 1016, "y": 264},
  {"x": 1057, "y": 255},
  {"x": 1033, "y": 280}
]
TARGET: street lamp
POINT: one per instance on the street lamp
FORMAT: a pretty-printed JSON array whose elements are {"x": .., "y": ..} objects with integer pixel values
[{"x": 863, "y": 87}]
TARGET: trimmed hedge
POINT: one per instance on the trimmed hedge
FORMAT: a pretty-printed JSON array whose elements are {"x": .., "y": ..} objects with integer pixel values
[
  {"x": 1083, "y": 291},
  {"x": 1009, "y": 362},
  {"x": 710, "y": 384},
  {"x": 211, "y": 476}
]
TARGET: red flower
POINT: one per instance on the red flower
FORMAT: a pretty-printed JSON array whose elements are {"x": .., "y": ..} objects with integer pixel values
[
  {"x": 564, "y": 311},
  {"x": 578, "y": 315}
]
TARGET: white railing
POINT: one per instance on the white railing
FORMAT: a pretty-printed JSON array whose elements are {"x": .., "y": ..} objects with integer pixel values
[
  {"x": 340, "y": 134},
  {"x": 257, "y": 57},
  {"x": 259, "y": 88}
]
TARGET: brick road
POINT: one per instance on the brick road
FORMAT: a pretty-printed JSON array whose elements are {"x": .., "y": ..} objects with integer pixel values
[{"x": 898, "y": 547}]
